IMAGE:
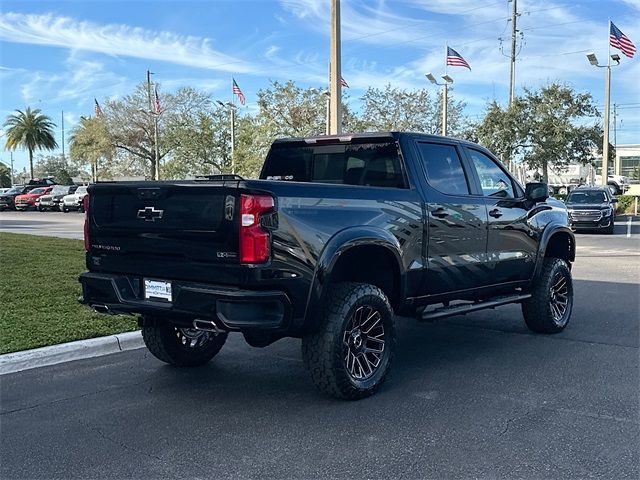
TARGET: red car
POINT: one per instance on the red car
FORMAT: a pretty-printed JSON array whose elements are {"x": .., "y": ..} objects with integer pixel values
[{"x": 28, "y": 200}]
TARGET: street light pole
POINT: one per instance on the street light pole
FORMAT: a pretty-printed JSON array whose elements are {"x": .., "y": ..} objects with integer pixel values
[
  {"x": 445, "y": 98},
  {"x": 593, "y": 60},
  {"x": 605, "y": 137},
  {"x": 445, "y": 95}
]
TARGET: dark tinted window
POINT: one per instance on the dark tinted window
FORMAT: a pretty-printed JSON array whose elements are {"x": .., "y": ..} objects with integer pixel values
[
  {"x": 444, "y": 169},
  {"x": 372, "y": 164},
  {"x": 587, "y": 197},
  {"x": 493, "y": 180}
]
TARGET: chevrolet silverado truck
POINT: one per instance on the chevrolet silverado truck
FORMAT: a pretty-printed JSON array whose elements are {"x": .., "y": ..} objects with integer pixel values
[{"x": 340, "y": 237}]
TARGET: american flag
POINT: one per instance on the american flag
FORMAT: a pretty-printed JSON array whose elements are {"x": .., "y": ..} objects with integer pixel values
[
  {"x": 156, "y": 103},
  {"x": 96, "y": 108},
  {"x": 619, "y": 40},
  {"x": 238, "y": 92},
  {"x": 455, "y": 59},
  {"x": 344, "y": 83}
]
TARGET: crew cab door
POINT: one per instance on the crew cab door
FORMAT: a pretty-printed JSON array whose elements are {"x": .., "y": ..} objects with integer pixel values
[
  {"x": 511, "y": 246},
  {"x": 456, "y": 222}
]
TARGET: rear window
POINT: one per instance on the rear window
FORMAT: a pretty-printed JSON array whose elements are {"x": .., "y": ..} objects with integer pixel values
[{"x": 367, "y": 164}]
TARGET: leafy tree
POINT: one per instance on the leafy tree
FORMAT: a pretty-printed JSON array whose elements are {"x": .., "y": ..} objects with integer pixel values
[
  {"x": 91, "y": 146},
  {"x": 31, "y": 130},
  {"x": 130, "y": 123},
  {"x": 408, "y": 110},
  {"x": 199, "y": 139},
  {"x": 546, "y": 127},
  {"x": 5, "y": 176},
  {"x": 57, "y": 167}
]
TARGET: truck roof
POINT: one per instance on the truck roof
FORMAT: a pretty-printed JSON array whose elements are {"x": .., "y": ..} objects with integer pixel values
[{"x": 346, "y": 137}]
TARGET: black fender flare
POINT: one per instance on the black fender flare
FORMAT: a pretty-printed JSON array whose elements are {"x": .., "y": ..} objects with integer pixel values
[
  {"x": 551, "y": 230},
  {"x": 337, "y": 245}
]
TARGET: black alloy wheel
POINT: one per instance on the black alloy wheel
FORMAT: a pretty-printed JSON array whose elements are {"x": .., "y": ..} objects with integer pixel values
[{"x": 363, "y": 342}]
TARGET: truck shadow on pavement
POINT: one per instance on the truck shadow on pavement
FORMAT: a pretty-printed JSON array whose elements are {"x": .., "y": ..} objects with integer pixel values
[{"x": 604, "y": 313}]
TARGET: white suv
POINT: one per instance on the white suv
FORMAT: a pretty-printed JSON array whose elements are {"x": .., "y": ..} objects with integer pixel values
[{"x": 73, "y": 201}]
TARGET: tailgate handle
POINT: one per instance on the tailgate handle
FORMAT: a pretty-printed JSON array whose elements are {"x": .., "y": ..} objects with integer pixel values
[{"x": 148, "y": 193}]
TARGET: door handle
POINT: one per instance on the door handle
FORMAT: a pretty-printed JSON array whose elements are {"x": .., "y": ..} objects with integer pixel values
[
  {"x": 439, "y": 212},
  {"x": 495, "y": 213}
]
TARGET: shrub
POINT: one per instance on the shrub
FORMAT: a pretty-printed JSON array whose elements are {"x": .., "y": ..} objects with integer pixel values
[{"x": 625, "y": 204}]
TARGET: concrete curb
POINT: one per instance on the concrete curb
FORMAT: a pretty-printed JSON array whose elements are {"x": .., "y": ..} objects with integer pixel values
[{"x": 66, "y": 352}]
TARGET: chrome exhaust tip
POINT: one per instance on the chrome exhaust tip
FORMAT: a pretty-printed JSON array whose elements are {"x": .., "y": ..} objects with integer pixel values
[{"x": 207, "y": 326}]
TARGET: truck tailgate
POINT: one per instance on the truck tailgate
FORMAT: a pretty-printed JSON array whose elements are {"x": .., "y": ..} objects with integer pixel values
[{"x": 178, "y": 222}]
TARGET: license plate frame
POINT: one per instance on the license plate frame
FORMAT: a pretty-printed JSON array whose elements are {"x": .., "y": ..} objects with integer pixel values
[{"x": 158, "y": 290}]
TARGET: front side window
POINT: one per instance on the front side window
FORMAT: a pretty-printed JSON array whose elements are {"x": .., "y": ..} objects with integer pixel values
[
  {"x": 444, "y": 168},
  {"x": 493, "y": 180}
]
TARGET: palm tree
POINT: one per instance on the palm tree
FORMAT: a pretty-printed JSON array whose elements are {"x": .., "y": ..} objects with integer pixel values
[{"x": 30, "y": 129}]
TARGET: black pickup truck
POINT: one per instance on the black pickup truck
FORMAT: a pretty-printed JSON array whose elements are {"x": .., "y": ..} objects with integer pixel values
[{"x": 339, "y": 235}]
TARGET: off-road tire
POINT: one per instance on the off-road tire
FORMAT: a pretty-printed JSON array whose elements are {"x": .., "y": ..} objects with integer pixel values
[
  {"x": 323, "y": 351},
  {"x": 537, "y": 310},
  {"x": 164, "y": 342}
]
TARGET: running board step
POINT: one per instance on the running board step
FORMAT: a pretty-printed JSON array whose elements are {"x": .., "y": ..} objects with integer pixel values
[{"x": 452, "y": 310}]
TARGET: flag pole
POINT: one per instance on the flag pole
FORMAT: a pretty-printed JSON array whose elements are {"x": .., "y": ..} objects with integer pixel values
[{"x": 232, "y": 115}]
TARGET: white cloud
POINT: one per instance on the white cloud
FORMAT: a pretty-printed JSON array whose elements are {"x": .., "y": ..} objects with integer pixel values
[
  {"x": 81, "y": 78},
  {"x": 119, "y": 40}
]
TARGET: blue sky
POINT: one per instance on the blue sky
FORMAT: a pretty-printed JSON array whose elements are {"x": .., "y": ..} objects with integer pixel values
[{"x": 58, "y": 55}]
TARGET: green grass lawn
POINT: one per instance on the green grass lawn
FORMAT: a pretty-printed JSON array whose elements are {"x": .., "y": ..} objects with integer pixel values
[{"x": 39, "y": 293}]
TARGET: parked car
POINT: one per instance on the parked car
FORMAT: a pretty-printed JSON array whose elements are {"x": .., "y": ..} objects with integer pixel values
[
  {"x": 28, "y": 200},
  {"x": 73, "y": 201},
  {"x": 339, "y": 235},
  {"x": 7, "y": 199},
  {"x": 53, "y": 199},
  {"x": 4, "y": 190},
  {"x": 591, "y": 208}
]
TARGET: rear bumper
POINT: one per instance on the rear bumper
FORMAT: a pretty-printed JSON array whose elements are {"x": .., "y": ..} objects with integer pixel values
[{"x": 230, "y": 308}]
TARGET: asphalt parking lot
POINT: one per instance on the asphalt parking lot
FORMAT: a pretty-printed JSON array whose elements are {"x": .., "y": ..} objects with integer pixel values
[{"x": 469, "y": 397}]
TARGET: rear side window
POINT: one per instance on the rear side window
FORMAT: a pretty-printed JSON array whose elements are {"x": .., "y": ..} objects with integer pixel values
[
  {"x": 367, "y": 164},
  {"x": 444, "y": 168}
]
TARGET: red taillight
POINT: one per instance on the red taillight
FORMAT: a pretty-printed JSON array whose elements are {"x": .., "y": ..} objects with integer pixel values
[
  {"x": 254, "y": 240},
  {"x": 85, "y": 206}
]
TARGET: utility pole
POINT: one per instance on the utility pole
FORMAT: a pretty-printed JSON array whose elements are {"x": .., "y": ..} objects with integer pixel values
[
  {"x": 11, "y": 156},
  {"x": 335, "y": 89},
  {"x": 512, "y": 73},
  {"x": 64, "y": 161}
]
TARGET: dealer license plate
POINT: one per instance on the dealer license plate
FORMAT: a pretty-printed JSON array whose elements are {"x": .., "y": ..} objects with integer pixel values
[{"x": 157, "y": 290}]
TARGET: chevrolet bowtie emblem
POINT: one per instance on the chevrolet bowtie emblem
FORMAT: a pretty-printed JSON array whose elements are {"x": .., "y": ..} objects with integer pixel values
[{"x": 150, "y": 214}]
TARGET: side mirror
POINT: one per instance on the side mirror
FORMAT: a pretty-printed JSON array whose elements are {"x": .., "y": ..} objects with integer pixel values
[
  {"x": 614, "y": 200},
  {"x": 536, "y": 191}
]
